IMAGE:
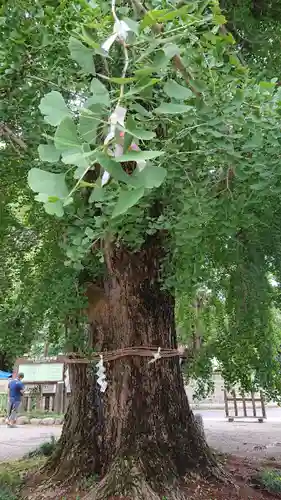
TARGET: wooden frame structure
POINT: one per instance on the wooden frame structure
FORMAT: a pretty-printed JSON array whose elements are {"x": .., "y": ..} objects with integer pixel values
[
  {"x": 50, "y": 393},
  {"x": 231, "y": 397}
]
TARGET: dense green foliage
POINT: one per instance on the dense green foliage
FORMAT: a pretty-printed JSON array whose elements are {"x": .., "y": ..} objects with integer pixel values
[
  {"x": 209, "y": 132},
  {"x": 255, "y": 25}
]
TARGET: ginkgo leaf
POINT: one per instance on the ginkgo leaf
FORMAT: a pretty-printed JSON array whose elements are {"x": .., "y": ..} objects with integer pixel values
[
  {"x": 139, "y": 133},
  {"x": 87, "y": 127},
  {"x": 100, "y": 93},
  {"x": 48, "y": 153},
  {"x": 55, "y": 208},
  {"x": 172, "y": 109},
  {"x": 126, "y": 200},
  {"x": 82, "y": 55},
  {"x": 66, "y": 139},
  {"x": 113, "y": 168},
  {"x": 53, "y": 107},
  {"x": 47, "y": 183},
  {"x": 176, "y": 91},
  {"x": 97, "y": 194},
  {"x": 151, "y": 176}
]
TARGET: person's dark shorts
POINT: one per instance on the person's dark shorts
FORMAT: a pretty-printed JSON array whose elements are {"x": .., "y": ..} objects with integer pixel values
[{"x": 13, "y": 407}]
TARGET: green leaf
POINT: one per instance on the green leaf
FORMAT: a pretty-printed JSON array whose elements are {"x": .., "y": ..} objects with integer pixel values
[
  {"x": 133, "y": 25},
  {"x": 172, "y": 14},
  {"x": 54, "y": 208},
  {"x": 90, "y": 37},
  {"x": 255, "y": 142},
  {"x": 126, "y": 200},
  {"x": 100, "y": 93},
  {"x": 154, "y": 16},
  {"x": 140, "y": 88},
  {"x": 48, "y": 153},
  {"x": 47, "y": 183},
  {"x": 176, "y": 91},
  {"x": 53, "y": 107},
  {"x": 82, "y": 159},
  {"x": 82, "y": 55},
  {"x": 141, "y": 110},
  {"x": 172, "y": 109},
  {"x": 66, "y": 139},
  {"x": 151, "y": 176},
  {"x": 113, "y": 168},
  {"x": 139, "y": 133},
  {"x": 219, "y": 19},
  {"x": 87, "y": 127},
  {"x": 89, "y": 232},
  {"x": 260, "y": 186},
  {"x": 97, "y": 194},
  {"x": 171, "y": 50},
  {"x": 150, "y": 18},
  {"x": 139, "y": 156}
]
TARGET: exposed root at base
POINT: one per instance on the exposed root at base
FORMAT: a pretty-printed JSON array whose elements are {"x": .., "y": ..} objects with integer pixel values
[
  {"x": 220, "y": 474},
  {"x": 127, "y": 480}
]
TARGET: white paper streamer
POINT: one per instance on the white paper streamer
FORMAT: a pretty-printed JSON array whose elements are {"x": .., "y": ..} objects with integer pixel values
[
  {"x": 101, "y": 375},
  {"x": 120, "y": 30},
  {"x": 156, "y": 355}
]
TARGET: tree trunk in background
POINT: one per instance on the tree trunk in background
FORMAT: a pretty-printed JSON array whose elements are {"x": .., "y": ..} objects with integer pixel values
[
  {"x": 5, "y": 363},
  {"x": 77, "y": 453},
  {"x": 151, "y": 439}
]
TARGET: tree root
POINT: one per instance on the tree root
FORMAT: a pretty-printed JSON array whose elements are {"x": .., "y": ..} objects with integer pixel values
[{"x": 127, "y": 480}]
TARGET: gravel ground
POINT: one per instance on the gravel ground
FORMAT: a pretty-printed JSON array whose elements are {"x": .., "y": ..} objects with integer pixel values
[{"x": 248, "y": 438}]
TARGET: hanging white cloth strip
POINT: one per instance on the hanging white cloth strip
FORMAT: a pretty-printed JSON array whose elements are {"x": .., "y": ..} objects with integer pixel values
[
  {"x": 101, "y": 375},
  {"x": 156, "y": 355}
]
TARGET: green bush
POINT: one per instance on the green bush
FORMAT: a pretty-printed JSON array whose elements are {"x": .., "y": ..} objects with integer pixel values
[{"x": 270, "y": 479}]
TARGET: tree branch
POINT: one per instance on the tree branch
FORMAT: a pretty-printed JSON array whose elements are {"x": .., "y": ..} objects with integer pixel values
[{"x": 7, "y": 133}]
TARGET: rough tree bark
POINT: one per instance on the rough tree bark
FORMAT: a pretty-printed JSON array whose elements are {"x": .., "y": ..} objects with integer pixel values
[
  {"x": 77, "y": 453},
  {"x": 151, "y": 440}
]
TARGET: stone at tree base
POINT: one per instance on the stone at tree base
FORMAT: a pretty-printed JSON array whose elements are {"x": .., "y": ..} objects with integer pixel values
[
  {"x": 22, "y": 420},
  {"x": 59, "y": 421},
  {"x": 35, "y": 421},
  {"x": 48, "y": 421}
]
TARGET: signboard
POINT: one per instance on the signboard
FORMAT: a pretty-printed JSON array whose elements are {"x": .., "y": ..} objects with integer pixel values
[
  {"x": 41, "y": 372},
  {"x": 49, "y": 389}
]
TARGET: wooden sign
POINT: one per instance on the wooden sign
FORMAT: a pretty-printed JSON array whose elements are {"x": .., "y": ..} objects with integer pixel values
[
  {"x": 41, "y": 372},
  {"x": 49, "y": 388}
]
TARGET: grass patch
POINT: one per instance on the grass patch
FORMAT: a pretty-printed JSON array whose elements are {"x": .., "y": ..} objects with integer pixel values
[
  {"x": 44, "y": 450},
  {"x": 270, "y": 480},
  {"x": 13, "y": 473}
]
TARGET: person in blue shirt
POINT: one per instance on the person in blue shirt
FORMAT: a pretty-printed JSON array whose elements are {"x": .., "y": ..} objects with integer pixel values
[{"x": 16, "y": 389}]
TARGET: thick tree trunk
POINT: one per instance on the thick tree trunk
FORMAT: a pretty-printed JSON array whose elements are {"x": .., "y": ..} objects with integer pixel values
[
  {"x": 151, "y": 439},
  {"x": 77, "y": 453}
]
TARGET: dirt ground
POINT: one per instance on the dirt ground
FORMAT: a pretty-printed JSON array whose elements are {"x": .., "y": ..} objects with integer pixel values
[{"x": 242, "y": 471}]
